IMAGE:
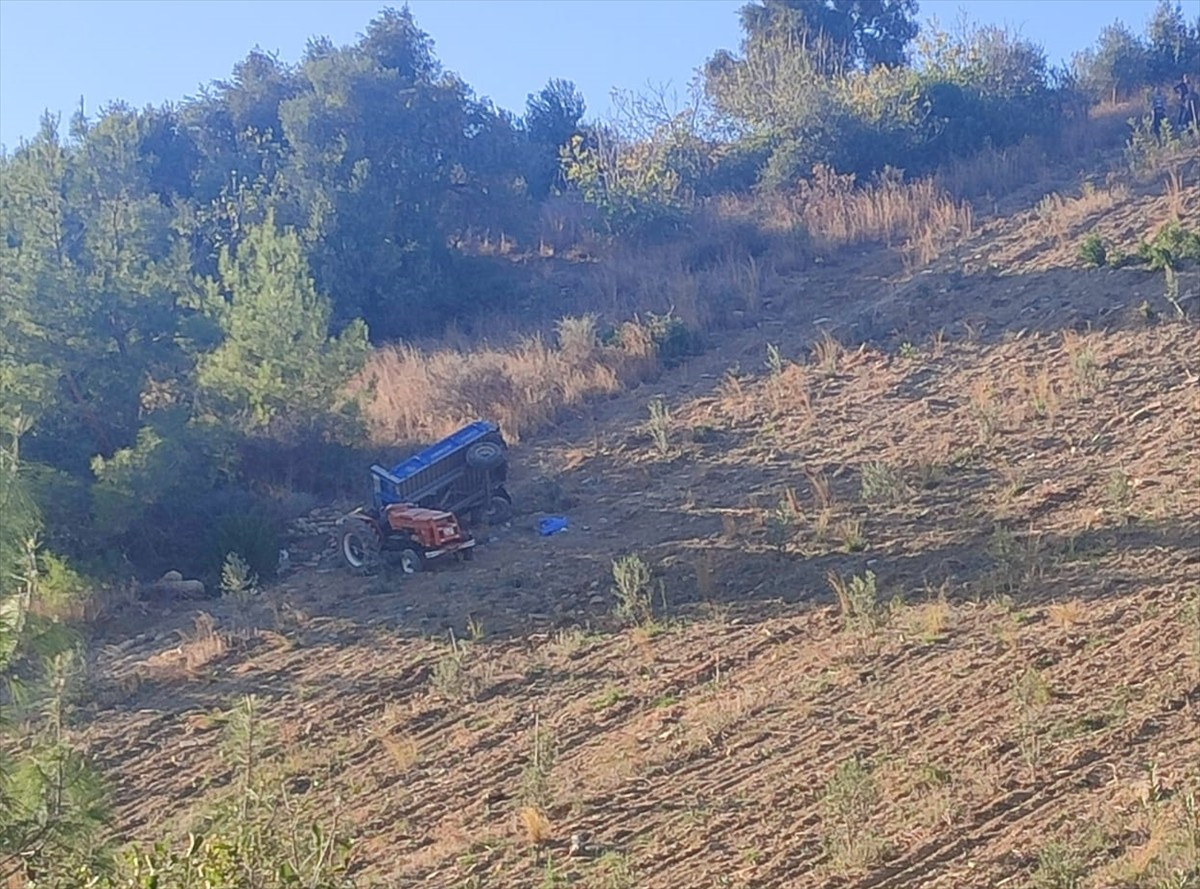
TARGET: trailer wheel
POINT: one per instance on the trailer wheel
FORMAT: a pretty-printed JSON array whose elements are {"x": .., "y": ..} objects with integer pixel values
[
  {"x": 412, "y": 560},
  {"x": 360, "y": 545},
  {"x": 485, "y": 455}
]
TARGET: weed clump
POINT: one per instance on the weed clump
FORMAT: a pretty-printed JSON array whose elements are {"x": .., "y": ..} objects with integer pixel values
[
  {"x": 659, "y": 426},
  {"x": 1170, "y": 247},
  {"x": 632, "y": 587},
  {"x": 1092, "y": 252},
  {"x": 850, "y": 797},
  {"x": 882, "y": 483},
  {"x": 858, "y": 599}
]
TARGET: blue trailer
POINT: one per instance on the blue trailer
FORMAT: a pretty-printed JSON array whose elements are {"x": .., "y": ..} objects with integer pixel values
[{"x": 464, "y": 474}]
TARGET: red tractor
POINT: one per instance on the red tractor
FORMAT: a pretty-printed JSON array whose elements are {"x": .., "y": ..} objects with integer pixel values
[{"x": 414, "y": 534}]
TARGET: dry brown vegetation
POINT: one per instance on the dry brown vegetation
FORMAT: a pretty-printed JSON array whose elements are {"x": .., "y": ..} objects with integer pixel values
[
  {"x": 421, "y": 395},
  {"x": 920, "y": 608}
]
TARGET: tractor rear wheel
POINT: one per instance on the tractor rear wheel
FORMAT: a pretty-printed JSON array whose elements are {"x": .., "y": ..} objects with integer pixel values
[
  {"x": 412, "y": 560},
  {"x": 360, "y": 545}
]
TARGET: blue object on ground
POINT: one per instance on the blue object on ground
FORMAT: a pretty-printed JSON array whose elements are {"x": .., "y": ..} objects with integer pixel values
[{"x": 552, "y": 525}]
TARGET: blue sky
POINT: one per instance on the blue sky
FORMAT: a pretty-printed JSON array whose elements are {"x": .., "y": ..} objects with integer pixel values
[{"x": 150, "y": 51}]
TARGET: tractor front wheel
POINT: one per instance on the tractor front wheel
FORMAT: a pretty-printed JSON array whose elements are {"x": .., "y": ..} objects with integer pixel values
[
  {"x": 412, "y": 560},
  {"x": 499, "y": 509},
  {"x": 360, "y": 545}
]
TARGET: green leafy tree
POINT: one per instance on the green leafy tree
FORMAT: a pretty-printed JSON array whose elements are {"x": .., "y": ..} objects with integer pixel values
[
  {"x": 552, "y": 118},
  {"x": 851, "y": 33},
  {"x": 277, "y": 369},
  {"x": 395, "y": 160},
  {"x": 1174, "y": 42},
  {"x": 1119, "y": 63},
  {"x": 93, "y": 282},
  {"x": 633, "y": 184}
]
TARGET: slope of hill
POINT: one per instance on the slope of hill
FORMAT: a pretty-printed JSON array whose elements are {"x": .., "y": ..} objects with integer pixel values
[{"x": 926, "y": 610}]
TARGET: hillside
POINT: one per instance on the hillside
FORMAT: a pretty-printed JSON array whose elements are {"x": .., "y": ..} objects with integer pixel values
[{"x": 994, "y": 459}]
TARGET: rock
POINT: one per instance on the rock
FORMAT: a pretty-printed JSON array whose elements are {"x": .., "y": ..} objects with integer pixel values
[
  {"x": 178, "y": 589},
  {"x": 171, "y": 577}
]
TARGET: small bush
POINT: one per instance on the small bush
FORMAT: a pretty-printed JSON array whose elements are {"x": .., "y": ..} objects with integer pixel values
[
  {"x": 577, "y": 337},
  {"x": 775, "y": 362},
  {"x": 61, "y": 591},
  {"x": 259, "y": 834},
  {"x": 632, "y": 587},
  {"x": 672, "y": 338},
  {"x": 535, "y": 779},
  {"x": 859, "y": 601},
  {"x": 1058, "y": 867},
  {"x": 1092, "y": 251},
  {"x": 659, "y": 426},
  {"x": 254, "y": 536},
  {"x": 850, "y": 797},
  {"x": 1170, "y": 247},
  {"x": 238, "y": 582},
  {"x": 781, "y": 524},
  {"x": 882, "y": 483},
  {"x": 450, "y": 676}
]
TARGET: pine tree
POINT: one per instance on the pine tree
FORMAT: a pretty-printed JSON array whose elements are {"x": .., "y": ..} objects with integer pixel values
[
  {"x": 52, "y": 803},
  {"x": 277, "y": 369}
]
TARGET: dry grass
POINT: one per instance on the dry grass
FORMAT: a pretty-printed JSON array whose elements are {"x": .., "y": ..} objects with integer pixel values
[
  {"x": 535, "y": 825},
  {"x": 920, "y": 216},
  {"x": 996, "y": 172},
  {"x": 712, "y": 281},
  {"x": 729, "y": 720},
  {"x": 403, "y": 751},
  {"x": 827, "y": 351},
  {"x": 993, "y": 171},
  {"x": 930, "y": 620},
  {"x": 1065, "y": 615},
  {"x": 421, "y": 395},
  {"x": 203, "y": 646},
  {"x": 1058, "y": 215}
]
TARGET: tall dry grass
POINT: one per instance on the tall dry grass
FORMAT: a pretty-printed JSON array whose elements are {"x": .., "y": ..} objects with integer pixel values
[
  {"x": 419, "y": 395},
  {"x": 837, "y": 213},
  {"x": 832, "y": 211},
  {"x": 710, "y": 281},
  {"x": 997, "y": 172}
]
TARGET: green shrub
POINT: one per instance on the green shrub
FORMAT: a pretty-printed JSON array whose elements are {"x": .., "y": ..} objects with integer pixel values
[
  {"x": 659, "y": 426},
  {"x": 859, "y": 601},
  {"x": 1092, "y": 252},
  {"x": 632, "y": 587},
  {"x": 254, "y": 536},
  {"x": 673, "y": 339},
  {"x": 1170, "y": 247}
]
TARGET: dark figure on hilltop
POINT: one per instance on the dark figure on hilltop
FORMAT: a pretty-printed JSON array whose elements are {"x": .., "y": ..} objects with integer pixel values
[
  {"x": 1184, "y": 90},
  {"x": 1158, "y": 113}
]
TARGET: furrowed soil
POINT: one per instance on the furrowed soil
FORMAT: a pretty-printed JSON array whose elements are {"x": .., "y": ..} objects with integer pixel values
[{"x": 925, "y": 556}]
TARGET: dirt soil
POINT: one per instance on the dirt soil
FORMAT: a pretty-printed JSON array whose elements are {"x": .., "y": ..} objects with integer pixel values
[{"x": 1004, "y": 444}]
